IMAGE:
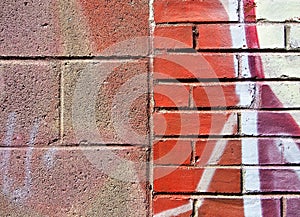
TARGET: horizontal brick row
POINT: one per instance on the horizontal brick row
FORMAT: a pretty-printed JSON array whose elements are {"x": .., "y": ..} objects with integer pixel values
[
  {"x": 225, "y": 180},
  {"x": 215, "y": 65},
  {"x": 221, "y": 207},
  {"x": 184, "y": 152},
  {"x": 253, "y": 123},
  {"x": 195, "y": 123},
  {"x": 188, "y": 11},
  {"x": 271, "y": 10},
  {"x": 238, "y": 94},
  {"x": 187, "y": 179},
  {"x": 226, "y": 10},
  {"x": 197, "y": 152}
]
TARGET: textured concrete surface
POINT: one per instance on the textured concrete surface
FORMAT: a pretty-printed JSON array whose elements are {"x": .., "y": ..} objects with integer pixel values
[
  {"x": 69, "y": 27},
  {"x": 29, "y": 100},
  {"x": 116, "y": 92},
  {"x": 68, "y": 182}
]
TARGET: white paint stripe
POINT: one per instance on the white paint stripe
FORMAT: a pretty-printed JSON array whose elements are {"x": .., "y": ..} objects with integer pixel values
[
  {"x": 176, "y": 211},
  {"x": 252, "y": 207},
  {"x": 246, "y": 93},
  {"x": 217, "y": 153},
  {"x": 10, "y": 127},
  {"x": 251, "y": 180},
  {"x": 249, "y": 123},
  {"x": 250, "y": 151},
  {"x": 221, "y": 144},
  {"x": 231, "y": 7}
]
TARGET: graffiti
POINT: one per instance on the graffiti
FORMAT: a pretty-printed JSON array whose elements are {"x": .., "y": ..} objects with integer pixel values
[
  {"x": 181, "y": 120},
  {"x": 22, "y": 193}
]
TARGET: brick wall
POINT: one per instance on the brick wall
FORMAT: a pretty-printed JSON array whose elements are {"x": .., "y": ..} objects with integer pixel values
[
  {"x": 150, "y": 108},
  {"x": 226, "y": 108}
]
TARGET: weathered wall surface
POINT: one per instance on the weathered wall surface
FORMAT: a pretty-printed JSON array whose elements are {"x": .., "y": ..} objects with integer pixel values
[
  {"x": 66, "y": 103},
  {"x": 150, "y": 108},
  {"x": 226, "y": 120}
]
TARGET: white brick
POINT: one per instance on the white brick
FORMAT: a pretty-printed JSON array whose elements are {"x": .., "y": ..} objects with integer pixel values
[
  {"x": 294, "y": 36},
  {"x": 278, "y": 10},
  {"x": 275, "y": 65},
  {"x": 287, "y": 92},
  {"x": 270, "y": 35}
]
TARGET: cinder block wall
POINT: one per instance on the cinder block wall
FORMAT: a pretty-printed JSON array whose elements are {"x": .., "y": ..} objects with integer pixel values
[
  {"x": 150, "y": 108},
  {"x": 226, "y": 116}
]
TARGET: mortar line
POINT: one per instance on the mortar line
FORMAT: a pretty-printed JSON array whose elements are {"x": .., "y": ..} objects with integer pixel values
[{"x": 151, "y": 104}]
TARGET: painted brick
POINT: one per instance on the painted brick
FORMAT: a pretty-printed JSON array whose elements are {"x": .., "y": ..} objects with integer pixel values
[
  {"x": 177, "y": 179},
  {"x": 203, "y": 123},
  {"x": 171, "y": 95},
  {"x": 78, "y": 28},
  {"x": 172, "y": 152},
  {"x": 271, "y": 180},
  {"x": 294, "y": 36},
  {"x": 29, "y": 103},
  {"x": 224, "y": 95},
  {"x": 263, "y": 123},
  {"x": 292, "y": 207},
  {"x": 214, "y": 36},
  {"x": 74, "y": 181},
  {"x": 230, "y": 152},
  {"x": 279, "y": 95},
  {"x": 200, "y": 65},
  {"x": 270, "y": 151},
  {"x": 274, "y": 10},
  {"x": 166, "y": 206},
  {"x": 114, "y": 97},
  {"x": 188, "y": 11},
  {"x": 173, "y": 37},
  {"x": 274, "y": 65},
  {"x": 238, "y": 207}
]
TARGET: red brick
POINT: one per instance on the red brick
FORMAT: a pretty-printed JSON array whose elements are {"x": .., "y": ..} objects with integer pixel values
[
  {"x": 72, "y": 181},
  {"x": 292, "y": 207},
  {"x": 173, "y": 37},
  {"x": 221, "y": 208},
  {"x": 195, "y": 66},
  {"x": 180, "y": 179},
  {"x": 191, "y": 11},
  {"x": 215, "y": 96},
  {"x": 231, "y": 36},
  {"x": 235, "y": 207},
  {"x": 214, "y": 36},
  {"x": 172, "y": 152},
  {"x": 231, "y": 155},
  {"x": 30, "y": 95},
  {"x": 204, "y": 123},
  {"x": 161, "y": 204},
  {"x": 171, "y": 96}
]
